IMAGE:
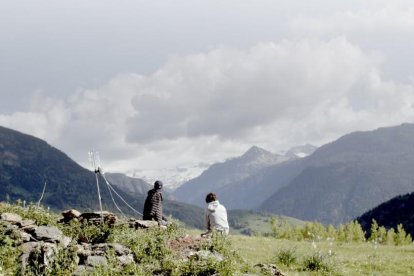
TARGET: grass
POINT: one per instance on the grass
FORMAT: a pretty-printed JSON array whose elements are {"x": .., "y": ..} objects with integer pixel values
[
  {"x": 346, "y": 258},
  {"x": 153, "y": 252}
]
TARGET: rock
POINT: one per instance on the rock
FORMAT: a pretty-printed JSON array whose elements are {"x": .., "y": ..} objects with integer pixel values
[
  {"x": 269, "y": 269},
  {"x": 205, "y": 254},
  {"x": 145, "y": 224},
  {"x": 24, "y": 260},
  {"x": 25, "y": 236},
  {"x": 125, "y": 259},
  {"x": 26, "y": 223},
  {"x": 66, "y": 241},
  {"x": 71, "y": 214},
  {"x": 29, "y": 247},
  {"x": 48, "y": 233},
  {"x": 99, "y": 249},
  {"x": 120, "y": 249},
  {"x": 82, "y": 269},
  {"x": 49, "y": 250},
  {"x": 96, "y": 217},
  {"x": 11, "y": 217},
  {"x": 96, "y": 261}
]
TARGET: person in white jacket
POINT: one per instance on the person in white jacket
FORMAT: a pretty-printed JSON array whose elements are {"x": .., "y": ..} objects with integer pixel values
[{"x": 215, "y": 216}]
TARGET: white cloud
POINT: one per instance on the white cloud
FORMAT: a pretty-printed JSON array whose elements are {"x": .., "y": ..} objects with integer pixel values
[
  {"x": 209, "y": 106},
  {"x": 382, "y": 19}
]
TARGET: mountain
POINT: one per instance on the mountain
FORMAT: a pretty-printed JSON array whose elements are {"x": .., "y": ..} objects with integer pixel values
[
  {"x": 301, "y": 151},
  {"x": 26, "y": 162},
  {"x": 349, "y": 176},
  {"x": 219, "y": 175},
  {"x": 128, "y": 184},
  {"x": 172, "y": 177},
  {"x": 399, "y": 209}
]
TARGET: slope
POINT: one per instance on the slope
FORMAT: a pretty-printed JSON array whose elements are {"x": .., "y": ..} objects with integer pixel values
[{"x": 349, "y": 176}]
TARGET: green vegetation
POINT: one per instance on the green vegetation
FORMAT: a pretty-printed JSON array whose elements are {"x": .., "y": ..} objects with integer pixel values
[
  {"x": 331, "y": 258},
  {"x": 303, "y": 249},
  {"x": 155, "y": 251},
  {"x": 256, "y": 223}
]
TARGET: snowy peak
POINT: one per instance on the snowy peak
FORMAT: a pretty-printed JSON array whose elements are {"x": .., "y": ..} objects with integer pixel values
[
  {"x": 255, "y": 151},
  {"x": 259, "y": 157},
  {"x": 301, "y": 151}
]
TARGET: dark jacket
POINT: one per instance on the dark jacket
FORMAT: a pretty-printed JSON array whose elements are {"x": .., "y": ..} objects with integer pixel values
[{"x": 153, "y": 205}]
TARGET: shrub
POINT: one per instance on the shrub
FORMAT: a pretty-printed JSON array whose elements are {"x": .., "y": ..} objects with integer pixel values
[
  {"x": 287, "y": 257},
  {"x": 317, "y": 262}
]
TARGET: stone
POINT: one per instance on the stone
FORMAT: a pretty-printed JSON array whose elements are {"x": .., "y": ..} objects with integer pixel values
[
  {"x": 66, "y": 241},
  {"x": 29, "y": 247},
  {"x": 71, "y": 214},
  {"x": 205, "y": 254},
  {"x": 145, "y": 224},
  {"x": 99, "y": 249},
  {"x": 11, "y": 217},
  {"x": 26, "y": 223},
  {"x": 25, "y": 236},
  {"x": 269, "y": 269},
  {"x": 125, "y": 259},
  {"x": 48, "y": 233},
  {"x": 120, "y": 249},
  {"x": 96, "y": 261},
  {"x": 49, "y": 250}
]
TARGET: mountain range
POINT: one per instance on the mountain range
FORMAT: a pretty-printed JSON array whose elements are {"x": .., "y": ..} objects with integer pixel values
[
  {"x": 336, "y": 183},
  {"x": 345, "y": 178},
  {"x": 333, "y": 184},
  {"x": 224, "y": 177}
]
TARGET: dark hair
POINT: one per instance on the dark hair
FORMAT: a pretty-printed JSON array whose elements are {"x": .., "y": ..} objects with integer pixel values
[
  {"x": 158, "y": 184},
  {"x": 211, "y": 197}
]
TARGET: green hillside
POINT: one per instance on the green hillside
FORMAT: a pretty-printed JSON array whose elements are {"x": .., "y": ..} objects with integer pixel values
[{"x": 26, "y": 162}]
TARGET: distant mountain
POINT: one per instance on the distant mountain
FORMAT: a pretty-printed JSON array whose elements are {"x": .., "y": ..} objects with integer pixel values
[
  {"x": 345, "y": 178},
  {"x": 128, "y": 184},
  {"x": 389, "y": 214},
  {"x": 172, "y": 177},
  {"x": 27, "y": 162},
  {"x": 219, "y": 175},
  {"x": 300, "y": 151}
]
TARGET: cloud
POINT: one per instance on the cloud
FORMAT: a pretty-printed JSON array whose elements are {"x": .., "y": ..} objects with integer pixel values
[
  {"x": 227, "y": 92},
  {"x": 212, "y": 105},
  {"x": 381, "y": 19}
]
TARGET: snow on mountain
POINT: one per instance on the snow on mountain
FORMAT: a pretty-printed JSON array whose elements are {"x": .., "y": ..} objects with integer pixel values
[
  {"x": 254, "y": 157},
  {"x": 171, "y": 177},
  {"x": 300, "y": 151}
]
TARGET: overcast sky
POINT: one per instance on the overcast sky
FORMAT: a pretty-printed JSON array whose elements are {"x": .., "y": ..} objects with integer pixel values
[{"x": 157, "y": 84}]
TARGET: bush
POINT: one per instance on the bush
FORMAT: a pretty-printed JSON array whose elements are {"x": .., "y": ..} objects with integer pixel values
[
  {"x": 287, "y": 257},
  {"x": 317, "y": 262}
]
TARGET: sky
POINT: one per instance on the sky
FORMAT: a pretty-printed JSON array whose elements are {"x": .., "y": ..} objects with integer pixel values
[{"x": 164, "y": 84}]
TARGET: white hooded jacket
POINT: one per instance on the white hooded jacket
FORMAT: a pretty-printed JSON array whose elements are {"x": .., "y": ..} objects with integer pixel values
[{"x": 216, "y": 217}]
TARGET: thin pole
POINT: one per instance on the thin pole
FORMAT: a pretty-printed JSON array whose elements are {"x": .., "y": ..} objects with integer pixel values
[
  {"x": 99, "y": 195},
  {"x": 41, "y": 197}
]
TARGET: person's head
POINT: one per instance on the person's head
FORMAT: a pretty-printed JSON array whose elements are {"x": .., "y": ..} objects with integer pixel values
[
  {"x": 158, "y": 184},
  {"x": 211, "y": 197}
]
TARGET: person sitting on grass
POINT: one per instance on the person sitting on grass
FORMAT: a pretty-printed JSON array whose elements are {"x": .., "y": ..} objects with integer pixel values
[{"x": 215, "y": 216}]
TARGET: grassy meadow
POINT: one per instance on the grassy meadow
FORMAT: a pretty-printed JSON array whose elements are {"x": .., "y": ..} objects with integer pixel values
[
  {"x": 311, "y": 250},
  {"x": 343, "y": 258}
]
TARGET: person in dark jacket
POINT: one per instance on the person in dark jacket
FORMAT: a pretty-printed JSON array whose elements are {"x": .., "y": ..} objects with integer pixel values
[{"x": 153, "y": 204}]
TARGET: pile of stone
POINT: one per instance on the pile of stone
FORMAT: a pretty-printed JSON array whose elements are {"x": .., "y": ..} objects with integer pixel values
[
  {"x": 92, "y": 217},
  {"x": 41, "y": 243},
  {"x": 106, "y": 217}
]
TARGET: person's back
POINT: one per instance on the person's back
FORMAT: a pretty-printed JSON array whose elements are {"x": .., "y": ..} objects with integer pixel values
[
  {"x": 216, "y": 215},
  {"x": 153, "y": 203}
]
